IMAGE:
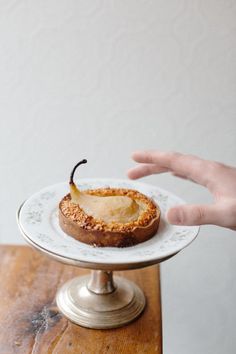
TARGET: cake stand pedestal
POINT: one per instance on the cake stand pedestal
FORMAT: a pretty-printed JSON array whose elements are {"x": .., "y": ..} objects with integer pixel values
[{"x": 100, "y": 301}]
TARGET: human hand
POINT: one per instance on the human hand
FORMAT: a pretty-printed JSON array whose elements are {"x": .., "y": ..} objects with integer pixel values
[{"x": 220, "y": 180}]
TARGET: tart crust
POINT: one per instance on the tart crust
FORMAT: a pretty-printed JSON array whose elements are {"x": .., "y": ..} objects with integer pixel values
[{"x": 76, "y": 223}]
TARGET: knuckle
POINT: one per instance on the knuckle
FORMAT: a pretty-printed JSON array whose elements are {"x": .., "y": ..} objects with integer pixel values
[
  {"x": 197, "y": 168},
  {"x": 173, "y": 154},
  {"x": 197, "y": 164},
  {"x": 149, "y": 156},
  {"x": 148, "y": 169},
  {"x": 199, "y": 215},
  {"x": 215, "y": 167},
  {"x": 173, "y": 158},
  {"x": 212, "y": 171},
  {"x": 200, "y": 164}
]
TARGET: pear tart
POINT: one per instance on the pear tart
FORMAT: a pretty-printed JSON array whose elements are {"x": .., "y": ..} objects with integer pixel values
[{"x": 108, "y": 217}]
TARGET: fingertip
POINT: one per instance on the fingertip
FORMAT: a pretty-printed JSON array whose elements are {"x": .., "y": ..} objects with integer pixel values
[
  {"x": 135, "y": 155},
  {"x": 175, "y": 216},
  {"x": 131, "y": 174}
]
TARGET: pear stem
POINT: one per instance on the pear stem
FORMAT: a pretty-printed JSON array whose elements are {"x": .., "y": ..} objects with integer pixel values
[{"x": 73, "y": 171}]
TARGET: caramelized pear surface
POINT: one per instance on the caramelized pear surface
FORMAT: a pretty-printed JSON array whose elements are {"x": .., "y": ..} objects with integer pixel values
[{"x": 107, "y": 208}]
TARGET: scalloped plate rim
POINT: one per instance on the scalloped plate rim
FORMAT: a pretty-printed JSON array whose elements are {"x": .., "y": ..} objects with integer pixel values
[{"x": 107, "y": 181}]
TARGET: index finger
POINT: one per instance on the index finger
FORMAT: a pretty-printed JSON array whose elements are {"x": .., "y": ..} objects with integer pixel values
[{"x": 188, "y": 166}]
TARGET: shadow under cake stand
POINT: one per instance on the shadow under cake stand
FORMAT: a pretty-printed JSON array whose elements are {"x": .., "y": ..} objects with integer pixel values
[{"x": 99, "y": 300}]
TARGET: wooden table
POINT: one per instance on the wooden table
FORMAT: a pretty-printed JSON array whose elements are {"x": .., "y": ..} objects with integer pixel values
[{"x": 30, "y": 321}]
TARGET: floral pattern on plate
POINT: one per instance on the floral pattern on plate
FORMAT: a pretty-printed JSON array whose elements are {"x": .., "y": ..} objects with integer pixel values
[{"x": 38, "y": 220}]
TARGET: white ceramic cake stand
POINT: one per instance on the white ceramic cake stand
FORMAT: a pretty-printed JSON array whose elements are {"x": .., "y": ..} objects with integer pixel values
[{"x": 98, "y": 300}]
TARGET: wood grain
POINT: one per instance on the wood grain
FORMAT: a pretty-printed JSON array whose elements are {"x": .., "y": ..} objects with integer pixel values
[{"x": 31, "y": 323}]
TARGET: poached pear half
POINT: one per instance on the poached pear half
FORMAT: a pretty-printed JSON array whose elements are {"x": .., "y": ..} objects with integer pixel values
[{"x": 115, "y": 217}]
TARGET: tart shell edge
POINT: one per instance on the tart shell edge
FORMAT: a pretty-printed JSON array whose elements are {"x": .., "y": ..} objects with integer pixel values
[{"x": 98, "y": 236}]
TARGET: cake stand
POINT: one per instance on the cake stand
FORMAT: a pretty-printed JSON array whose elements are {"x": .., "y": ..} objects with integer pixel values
[{"x": 100, "y": 300}]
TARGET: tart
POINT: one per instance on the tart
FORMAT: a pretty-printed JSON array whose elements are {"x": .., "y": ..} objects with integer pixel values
[{"x": 108, "y": 217}]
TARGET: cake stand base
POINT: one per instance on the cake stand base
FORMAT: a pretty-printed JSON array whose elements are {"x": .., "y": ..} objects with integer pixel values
[{"x": 97, "y": 301}]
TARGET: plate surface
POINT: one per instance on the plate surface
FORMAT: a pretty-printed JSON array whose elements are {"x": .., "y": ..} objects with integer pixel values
[{"x": 38, "y": 222}]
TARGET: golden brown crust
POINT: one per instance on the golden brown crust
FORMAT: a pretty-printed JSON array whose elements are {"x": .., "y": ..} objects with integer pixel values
[{"x": 76, "y": 223}]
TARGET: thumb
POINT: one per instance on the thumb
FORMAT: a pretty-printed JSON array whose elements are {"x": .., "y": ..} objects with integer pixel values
[{"x": 195, "y": 215}]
